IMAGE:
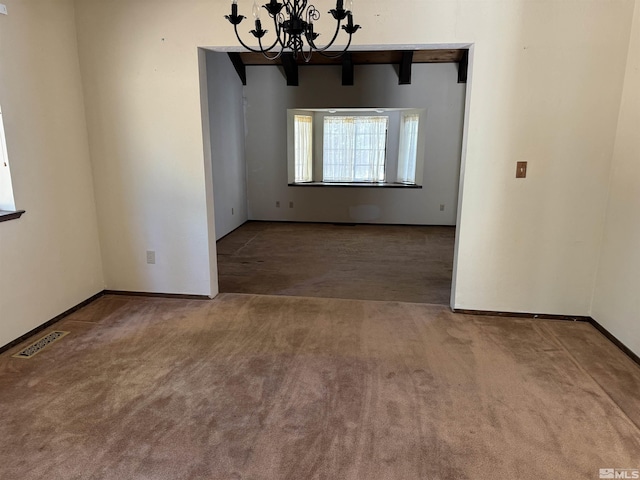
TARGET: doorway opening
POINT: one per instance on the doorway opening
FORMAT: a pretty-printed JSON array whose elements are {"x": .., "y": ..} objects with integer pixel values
[{"x": 376, "y": 241}]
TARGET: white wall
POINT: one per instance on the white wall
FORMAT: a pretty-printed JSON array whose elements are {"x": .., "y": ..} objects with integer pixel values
[
  {"x": 50, "y": 258},
  {"x": 546, "y": 87},
  {"x": 140, "y": 67},
  {"x": 227, "y": 133},
  {"x": 434, "y": 87},
  {"x": 616, "y": 303}
]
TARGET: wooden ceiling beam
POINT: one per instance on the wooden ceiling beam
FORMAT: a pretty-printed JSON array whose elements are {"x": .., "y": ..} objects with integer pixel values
[
  {"x": 347, "y": 70},
  {"x": 463, "y": 67},
  {"x": 290, "y": 69},
  {"x": 404, "y": 73},
  {"x": 239, "y": 65},
  {"x": 378, "y": 57}
]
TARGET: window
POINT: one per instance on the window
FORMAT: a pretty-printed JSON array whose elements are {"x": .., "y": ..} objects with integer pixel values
[
  {"x": 6, "y": 189},
  {"x": 303, "y": 131},
  {"x": 408, "y": 154},
  {"x": 354, "y": 149}
]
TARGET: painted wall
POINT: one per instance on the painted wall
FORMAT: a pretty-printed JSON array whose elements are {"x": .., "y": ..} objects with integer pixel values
[
  {"x": 616, "y": 303},
  {"x": 227, "y": 134},
  {"x": 434, "y": 87},
  {"x": 50, "y": 258},
  {"x": 546, "y": 87},
  {"x": 140, "y": 67}
]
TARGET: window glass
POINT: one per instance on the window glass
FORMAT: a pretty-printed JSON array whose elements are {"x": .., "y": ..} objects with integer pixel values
[
  {"x": 354, "y": 148},
  {"x": 6, "y": 189}
]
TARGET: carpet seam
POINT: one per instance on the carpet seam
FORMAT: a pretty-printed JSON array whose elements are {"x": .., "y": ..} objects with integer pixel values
[{"x": 245, "y": 245}]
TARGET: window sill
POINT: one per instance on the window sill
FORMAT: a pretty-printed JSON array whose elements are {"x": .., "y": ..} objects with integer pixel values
[
  {"x": 356, "y": 185},
  {"x": 6, "y": 215}
]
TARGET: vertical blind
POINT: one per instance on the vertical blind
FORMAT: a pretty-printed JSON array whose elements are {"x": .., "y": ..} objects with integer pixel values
[
  {"x": 354, "y": 149},
  {"x": 303, "y": 131},
  {"x": 408, "y": 148}
]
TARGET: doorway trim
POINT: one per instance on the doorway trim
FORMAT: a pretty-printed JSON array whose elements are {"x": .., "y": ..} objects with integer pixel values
[{"x": 213, "y": 262}]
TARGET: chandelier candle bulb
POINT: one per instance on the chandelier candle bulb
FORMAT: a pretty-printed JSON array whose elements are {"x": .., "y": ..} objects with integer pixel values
[
  {"x": 256, "y": 11},
  {"x": 350, "y": 5}
]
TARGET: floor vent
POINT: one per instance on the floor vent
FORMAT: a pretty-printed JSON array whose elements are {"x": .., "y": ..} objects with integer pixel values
[{"x": 40, "y": 345}]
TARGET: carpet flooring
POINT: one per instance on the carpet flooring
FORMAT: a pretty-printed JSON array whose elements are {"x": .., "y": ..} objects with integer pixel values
[
  {"x": 271, "y": 387},
  {"x": 364, "y": 262}
]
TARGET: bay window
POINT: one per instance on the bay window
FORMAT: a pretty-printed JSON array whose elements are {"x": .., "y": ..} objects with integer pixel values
[{"x": 356, "y": 147}]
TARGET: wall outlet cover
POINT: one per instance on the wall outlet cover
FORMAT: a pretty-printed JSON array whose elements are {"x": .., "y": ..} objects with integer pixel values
[{"x": 3, "y": 9}]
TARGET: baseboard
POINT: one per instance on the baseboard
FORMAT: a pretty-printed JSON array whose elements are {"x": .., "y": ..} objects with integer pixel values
[
  {"x": 86, "y": 302},
  {"x": 348, "y": 224},
  {"x": 227, "y": 234},
  {"x": 543, "y": 316},
  {"x": 571, "y": 318},
  {"x": 51, "y": 322},
  {"x": 612, "y": 338},
  {"x": 179, "y": 296}
]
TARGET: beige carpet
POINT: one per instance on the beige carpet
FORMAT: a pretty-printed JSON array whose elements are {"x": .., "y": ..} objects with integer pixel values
[
  {"x": 258, "y": 387},
  {"x": 365, "y": 262}
]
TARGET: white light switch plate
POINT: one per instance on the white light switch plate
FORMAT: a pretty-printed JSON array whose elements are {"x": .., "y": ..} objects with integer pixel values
[{"x": 3, "y": 9}]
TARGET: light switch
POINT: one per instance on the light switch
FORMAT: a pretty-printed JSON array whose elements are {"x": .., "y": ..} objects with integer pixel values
[
  {"x": 3, "y": 9},
  {"x": 521, "y": 171}
]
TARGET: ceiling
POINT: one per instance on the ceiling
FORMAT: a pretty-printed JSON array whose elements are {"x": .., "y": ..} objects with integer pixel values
[
  {"x": 403, "y": 58},
  {"x": 380, "y": 57}
]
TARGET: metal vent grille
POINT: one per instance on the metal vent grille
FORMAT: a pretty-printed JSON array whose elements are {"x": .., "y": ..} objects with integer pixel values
[{"x": 39, "y": 345}]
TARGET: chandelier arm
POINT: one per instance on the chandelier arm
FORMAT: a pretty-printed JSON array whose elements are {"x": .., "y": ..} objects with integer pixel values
[
  {"x": 271, "y": 47},
  {"x": 339, "y": 54},
  {"x": 235, "y": 27},
  {"x": 261, "y": 50},
  {"x": 289, "y": 7},
  {"x": 264, "y": 52},
  {"x": 302, "y": 6},
  {"x": 328, "y": 45},
  {"x": 307, "y": 59},
  {"x": 279, "y": 30}
]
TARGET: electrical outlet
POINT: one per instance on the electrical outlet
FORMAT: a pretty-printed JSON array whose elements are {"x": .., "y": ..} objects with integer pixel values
[
  {"x": 442, "y": 207},
  {"x": 151, "y": 257},
  {"x": 521, "y": 171},
  {"x": 277, "y": 204},
  {"x": 3, "y": 9},
  {"x": 290, "y": 204}
]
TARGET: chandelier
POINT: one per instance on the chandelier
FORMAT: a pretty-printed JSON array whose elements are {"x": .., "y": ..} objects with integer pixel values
[{"x": 294, "y": 29}]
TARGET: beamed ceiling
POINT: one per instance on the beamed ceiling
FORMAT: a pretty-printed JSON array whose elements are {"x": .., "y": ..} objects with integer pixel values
[
  {"x": 403, "y": 58},
  {"x": 381, "y": 57}
]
